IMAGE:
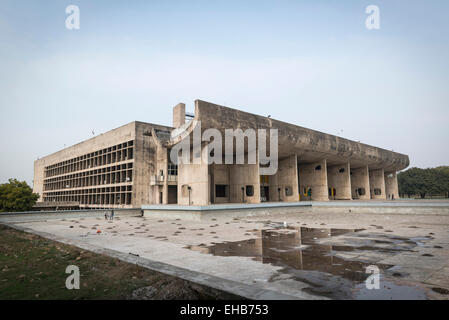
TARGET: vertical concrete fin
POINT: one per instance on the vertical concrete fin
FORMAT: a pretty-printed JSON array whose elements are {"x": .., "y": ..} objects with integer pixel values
[
  {"x": 391, "y": 185},
  {"x": 179, "y": 115},
  {"x": 339, "y": 181},
  {"x": 377, "y": 184}
]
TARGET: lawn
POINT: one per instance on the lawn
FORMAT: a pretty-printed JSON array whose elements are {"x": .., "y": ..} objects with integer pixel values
[{"x": 32, "y": 267}]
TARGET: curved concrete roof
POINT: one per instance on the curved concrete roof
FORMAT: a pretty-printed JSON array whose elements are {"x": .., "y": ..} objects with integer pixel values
[{"x": 309, "y": 145}]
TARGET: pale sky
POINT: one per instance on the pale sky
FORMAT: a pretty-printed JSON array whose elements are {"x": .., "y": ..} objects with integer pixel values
[{"x": 311, "y": 63}]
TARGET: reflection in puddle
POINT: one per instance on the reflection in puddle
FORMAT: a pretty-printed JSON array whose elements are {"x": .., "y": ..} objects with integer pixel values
[
  {"x": 295, "y": 248},
  {"x": 300, "y": 249}
]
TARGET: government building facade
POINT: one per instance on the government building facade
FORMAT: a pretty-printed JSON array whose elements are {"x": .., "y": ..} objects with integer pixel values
[{"x": 132, "y": 166}]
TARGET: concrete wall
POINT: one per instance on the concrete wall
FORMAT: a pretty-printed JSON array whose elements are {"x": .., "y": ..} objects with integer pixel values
[
  {"x": 151, "y": 158},
  {"x": 309, "y": 177},
  {"x": 339, "y": 177},
  {"x": 391, "y": 185},
  {"x": 377, "y": 181},
  {"x": 285, "y": 177},
  {"x": 360, "y": 179},
  {"x": 144, "y": 167},
  {"x": 242, "y": 175},
  {"x": 197, "y": 177}
]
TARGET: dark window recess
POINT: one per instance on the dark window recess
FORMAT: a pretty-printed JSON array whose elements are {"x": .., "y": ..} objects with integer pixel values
[
  {"x": 377, "y": 191},
  {"x": 318, "y": 168},
  {"x": 341, "y": 170},
  {"x": 288, "y": 191},
  {"x": 249, "y": 191},
  {"x": 172, "y": 169},
  {"x": 221, "y": 190}
]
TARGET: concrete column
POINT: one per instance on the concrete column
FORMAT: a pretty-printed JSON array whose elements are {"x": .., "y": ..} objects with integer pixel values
[
  {"x": 377, "y": 184},
  {"x": 314, "y": 175},
  {"x": 285, "y": 179},
  {"x": 195, "y": 176},
  {"x": 391, "y": 185},
  {"x": 179, "y": 115},
  {"x": 241, "y": 176},
  {"x": 339, "y": 178},
  {"x": 360, "y": 186}
]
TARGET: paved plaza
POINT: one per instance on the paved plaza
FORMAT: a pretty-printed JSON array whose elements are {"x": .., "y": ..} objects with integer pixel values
[{"x": 302, "y": 255}]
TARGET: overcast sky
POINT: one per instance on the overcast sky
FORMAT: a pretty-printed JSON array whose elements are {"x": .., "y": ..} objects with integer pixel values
[{"x": 311, "y": 63}]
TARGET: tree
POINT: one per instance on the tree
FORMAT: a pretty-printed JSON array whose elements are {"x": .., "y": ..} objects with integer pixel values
[
  {"x": 424, "y": 181},
  {"x": 16, "y": 196}
]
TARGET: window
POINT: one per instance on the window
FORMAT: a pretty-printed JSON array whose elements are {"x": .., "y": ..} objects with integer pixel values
[
  {"x": 361, "y": 191},
  {"x": 318, "y": 168},
  {"x": 288, "y": 191},
  {"x": 377, "y": 191},
  {"x": 249, "y": 191},
  {"x": 221, "y": 190},
  {"x": 172, "y": 169},
  {"x": 341, "y": 170}
]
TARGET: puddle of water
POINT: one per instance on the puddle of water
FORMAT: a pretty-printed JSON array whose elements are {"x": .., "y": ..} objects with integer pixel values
[
  {"x": 296, "y": 248},
  {"x": 299, "y": 251},
  {"x": 388, "y": 291}
]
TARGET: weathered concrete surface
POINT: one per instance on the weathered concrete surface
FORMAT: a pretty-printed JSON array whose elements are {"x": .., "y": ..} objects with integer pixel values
[
  {"x": 278, "y": 208},
  {"x": 313, "y": 176},
  {"x": 309, "y": 145},
  {"x": 160, "y": 244},
  {"x": 377, "y": 184},
  {"x": 285, "y": 180},
  {"x": 339, "y": 181},
  {"x": 360, "y": 183},
  {"x": 391, "y": 185}
]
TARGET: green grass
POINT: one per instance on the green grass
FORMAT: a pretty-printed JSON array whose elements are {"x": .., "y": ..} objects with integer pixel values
[{"x": 32, "y": 267}]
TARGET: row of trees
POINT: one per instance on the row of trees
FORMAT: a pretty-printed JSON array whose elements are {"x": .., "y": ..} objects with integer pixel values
[
  {"x": 422, "y": 182},
  {"x": 16, "y": 196}
]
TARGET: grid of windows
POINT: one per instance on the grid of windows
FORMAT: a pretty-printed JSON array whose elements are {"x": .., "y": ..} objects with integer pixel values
[
  {"x": 120, "y": 195},
  {"x": 76, "y": 180},
  {"x": 110, "y": 175},
  {"x": 117, "y": 153}
]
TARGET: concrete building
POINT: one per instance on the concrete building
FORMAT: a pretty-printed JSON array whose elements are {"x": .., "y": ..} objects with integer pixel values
[{"x": 130, "y": 166}]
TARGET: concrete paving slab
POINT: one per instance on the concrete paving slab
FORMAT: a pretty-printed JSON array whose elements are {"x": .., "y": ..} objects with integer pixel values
[{"x": 163, "y": 244}]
